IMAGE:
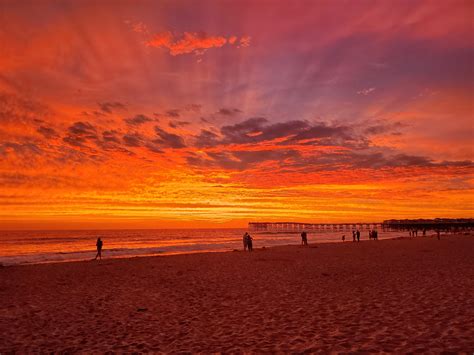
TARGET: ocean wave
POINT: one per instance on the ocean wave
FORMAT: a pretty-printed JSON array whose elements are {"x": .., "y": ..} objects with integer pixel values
[{"x": 83, "y": 255}]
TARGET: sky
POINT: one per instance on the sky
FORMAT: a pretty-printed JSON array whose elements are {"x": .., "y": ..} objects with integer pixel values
[{"x": 215, "y": 113}]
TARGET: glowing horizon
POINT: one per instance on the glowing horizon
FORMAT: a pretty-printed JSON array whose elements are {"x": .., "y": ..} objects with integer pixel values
[{"x": 176, "y": 114}]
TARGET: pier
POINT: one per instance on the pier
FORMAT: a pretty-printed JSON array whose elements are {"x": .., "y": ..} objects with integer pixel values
[
  {"x": 308, "y": 227},
  {"x": 441, "y": 224}
]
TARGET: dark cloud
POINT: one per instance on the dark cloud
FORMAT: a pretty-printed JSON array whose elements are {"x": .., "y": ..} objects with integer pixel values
[
  {"x": 251, "y": 157},
  {"x": 207, "y": 139},
  {"x": 176, "y": 124},
  {"x": 137, "y": 120},
  {"x": 80, "y": 132},
  {"x": 168, "y": 140},
  {"x": 85, "y": 129},
  {"x": 320, "y": 130},
  {"x": 372, "y": 158},
  {"x": 357, "y": 151},
  {"x": 258, "y": 129},
  {"x": 47, "y": 132},
  {"x": 111, "y": 136},
  {"x": 229, "y": 111},
  {"x": 173, "y": 113},
  {"x": 111, "y": 141},
  {"x": 68, "y": 156},
  {"x": 17, "y": 109},
  {"x": 193, "y": 107},
  {"x": 153, "y": 147},
  {"x": 242, "y": 132},
  {"x": 108, "y": 107},
  {"x": 93, "y": 114},
  {"x": 24, "y": 149},
  {"x": 133, "y": 140},
  {"x": 241, "y": 160}
]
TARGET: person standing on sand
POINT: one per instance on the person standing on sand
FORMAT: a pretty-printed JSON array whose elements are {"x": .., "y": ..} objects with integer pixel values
[
  {"x": 358, "y": 235},
  {"x": 99, "y": 248},
  {"x": 249, "y": 242},
  {"x": 344, "y": 238},
  {"x": 353, "y": 235},
  {"x": 304, "y": 238},
  {"x": 245, "y": 240}
]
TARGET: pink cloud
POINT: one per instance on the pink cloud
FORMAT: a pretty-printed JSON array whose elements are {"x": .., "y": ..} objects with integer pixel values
[
  {"x": 193, "y": 42},
  {"x": 365, "y": 92}
]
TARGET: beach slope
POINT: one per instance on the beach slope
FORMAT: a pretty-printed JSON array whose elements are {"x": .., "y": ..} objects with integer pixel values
[{"x": 392, "y": 296}]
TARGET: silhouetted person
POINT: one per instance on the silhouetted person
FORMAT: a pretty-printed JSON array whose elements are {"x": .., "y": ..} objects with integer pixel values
[
  {"x": 375, "y": 234},
  {"x": 99, "y": 249},
  {"x": 343, "y": 238},
  {"x": 245, "y": 240},
  {"x": 354, "y": 236},
  {"x": 249, "y": 242},
  {"x": 358, "y": 235},
  {"x": 304, "y": 238}
]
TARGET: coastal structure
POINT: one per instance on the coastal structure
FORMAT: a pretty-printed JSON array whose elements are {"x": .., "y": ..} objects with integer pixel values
[{"x": 392, "y": 224}]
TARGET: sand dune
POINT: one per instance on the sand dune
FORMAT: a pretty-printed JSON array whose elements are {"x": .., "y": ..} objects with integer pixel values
[{"x": 386, "y": 296}]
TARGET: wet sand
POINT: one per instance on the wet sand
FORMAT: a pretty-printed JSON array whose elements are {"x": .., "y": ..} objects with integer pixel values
[{"x": 383, "y": 296}]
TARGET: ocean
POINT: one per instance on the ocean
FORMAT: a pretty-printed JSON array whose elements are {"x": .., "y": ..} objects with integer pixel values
[{"x": 32, "y": 247}]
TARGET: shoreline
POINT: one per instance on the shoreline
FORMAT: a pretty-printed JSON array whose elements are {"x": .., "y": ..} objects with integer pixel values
[{"x": 173, "y": 253}]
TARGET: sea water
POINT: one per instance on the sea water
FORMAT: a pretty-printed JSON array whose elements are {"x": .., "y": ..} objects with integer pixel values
[{"x": 30, "y": 247}]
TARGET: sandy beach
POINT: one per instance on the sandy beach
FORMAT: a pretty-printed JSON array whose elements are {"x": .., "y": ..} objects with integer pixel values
[{"x": 383, "y": 296}]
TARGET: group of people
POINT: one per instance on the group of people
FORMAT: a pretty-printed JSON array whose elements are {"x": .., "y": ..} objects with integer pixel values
[
  {"x": 247, "y": 239},
  {"x": 373, "y": 234},
  {"x": 356, "y": 235},
  {"x": 414, "y": 233}
]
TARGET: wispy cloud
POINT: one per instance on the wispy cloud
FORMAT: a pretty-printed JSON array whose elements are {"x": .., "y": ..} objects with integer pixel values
[{"x": 365, "y": 92}]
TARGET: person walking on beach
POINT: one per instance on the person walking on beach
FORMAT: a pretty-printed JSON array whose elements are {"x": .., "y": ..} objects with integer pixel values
[
  {"x": 245, "y": 240},
  {"x": 358, "y": 235},
  {"x": 99, "y": 248},
  {"x": 304, "y": 238},
  {"x": 353, "y": 235},
  {"x": 249, "y": 242}
]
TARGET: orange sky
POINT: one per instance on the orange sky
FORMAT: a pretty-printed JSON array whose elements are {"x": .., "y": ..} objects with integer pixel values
[{"x": 170, "y": 114}]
